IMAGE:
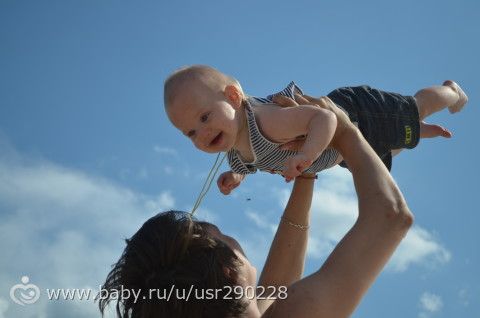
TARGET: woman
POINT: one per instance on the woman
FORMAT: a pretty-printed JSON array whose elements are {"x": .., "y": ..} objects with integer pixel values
[{"x": 187, "y": 268}]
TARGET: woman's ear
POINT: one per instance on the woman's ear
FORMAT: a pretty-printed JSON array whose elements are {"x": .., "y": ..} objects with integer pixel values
[
  {"x": 233, "y": 95},
  {"x": 230, "y": 274}
]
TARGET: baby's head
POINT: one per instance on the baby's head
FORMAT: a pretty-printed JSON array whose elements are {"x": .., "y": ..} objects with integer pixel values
[{"x": 203, "y": 103}]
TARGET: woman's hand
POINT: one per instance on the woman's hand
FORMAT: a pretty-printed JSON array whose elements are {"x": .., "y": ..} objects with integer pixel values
[
  {"x": 295, "y": 166},
  {"x": 343, "y": 122}
]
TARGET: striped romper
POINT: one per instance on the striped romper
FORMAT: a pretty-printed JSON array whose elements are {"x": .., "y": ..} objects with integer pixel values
[{"x": 267, "y": 154}]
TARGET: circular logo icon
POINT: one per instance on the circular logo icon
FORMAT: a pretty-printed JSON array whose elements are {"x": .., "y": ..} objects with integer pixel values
[{"x": 25, "y": 293}]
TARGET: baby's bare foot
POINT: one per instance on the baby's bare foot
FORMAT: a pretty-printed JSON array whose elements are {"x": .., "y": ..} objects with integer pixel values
[
  {"x": 432, "y": 131},
  {"x": 462, "y": 97}
]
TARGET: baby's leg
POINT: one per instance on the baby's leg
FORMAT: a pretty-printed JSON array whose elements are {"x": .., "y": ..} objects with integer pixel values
[
  {"x": 433, "y": 99},
  {"x": 428, "y": 131}
]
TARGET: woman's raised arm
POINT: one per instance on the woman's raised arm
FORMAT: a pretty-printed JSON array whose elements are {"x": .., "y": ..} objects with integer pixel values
[
  {"x": 384, "y": 219},
  {"x": 286, "y": 258}
]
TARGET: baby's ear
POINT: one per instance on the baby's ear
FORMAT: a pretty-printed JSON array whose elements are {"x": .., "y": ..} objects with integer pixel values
[{"x": 233, "y": 95}]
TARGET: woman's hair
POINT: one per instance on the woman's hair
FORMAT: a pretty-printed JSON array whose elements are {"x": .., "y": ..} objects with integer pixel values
[{"x": 170, "y": 253}]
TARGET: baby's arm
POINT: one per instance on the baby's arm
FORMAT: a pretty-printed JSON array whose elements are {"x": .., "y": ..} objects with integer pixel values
[
  {"x": 228, "y": 181},
  {"x": 285, "y": 124}
]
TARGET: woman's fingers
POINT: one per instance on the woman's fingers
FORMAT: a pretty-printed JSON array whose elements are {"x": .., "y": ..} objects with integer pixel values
[
  {"x": 314, "y": 99},
  {"x": 284, "y": 101},
  {"x": 323, "y": 101},
  {"x": 301, "y": 100}
]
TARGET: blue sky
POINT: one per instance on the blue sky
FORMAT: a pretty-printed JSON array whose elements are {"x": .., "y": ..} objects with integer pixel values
[{"x": 87, "y": 153}]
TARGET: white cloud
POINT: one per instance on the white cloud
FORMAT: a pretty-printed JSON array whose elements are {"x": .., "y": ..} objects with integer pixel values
[
  {"x": 63, "y": 229},
  {"x": 171, "y": 166},
  {"x": 334, "y": 211},
  {"x": 165, "y": 150},
  {"x": 261, "y": 221},
  {"x": 318, "y": 248},
  {"x": 168, "y": 170},
  {"x": 429, "y": 304},
  {"x": 256, "y": 246},
  {"x": 164, "y": 201},
  {"x": 464, "y": 297},
  {"x": 143, "y": 173},
  {"x": 419, "y": 247},
  {"x": 3, "y": 307},
  {"x": 205, "y": 214}
]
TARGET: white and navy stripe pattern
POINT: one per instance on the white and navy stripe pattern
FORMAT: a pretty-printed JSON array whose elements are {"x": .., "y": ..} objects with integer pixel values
[{"x": 268, "y": 156}]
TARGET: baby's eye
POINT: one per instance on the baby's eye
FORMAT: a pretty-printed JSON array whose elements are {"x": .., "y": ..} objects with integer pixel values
[
  {"x": 204, "y": 117},
  {"x": 191, "y": 133}
]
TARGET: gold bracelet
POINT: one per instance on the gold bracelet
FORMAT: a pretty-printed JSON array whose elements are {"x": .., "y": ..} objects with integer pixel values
[{"x": 298, "y": 226}]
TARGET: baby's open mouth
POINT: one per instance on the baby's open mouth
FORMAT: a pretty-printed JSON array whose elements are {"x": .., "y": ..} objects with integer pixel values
[{"x": 216, "y": 139}]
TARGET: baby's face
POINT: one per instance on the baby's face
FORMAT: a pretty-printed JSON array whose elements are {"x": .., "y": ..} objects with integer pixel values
[{"x": 209, "y": 121}]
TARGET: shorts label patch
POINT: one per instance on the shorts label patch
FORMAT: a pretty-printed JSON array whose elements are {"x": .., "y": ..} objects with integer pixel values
[{"x": 408, "y": 135}]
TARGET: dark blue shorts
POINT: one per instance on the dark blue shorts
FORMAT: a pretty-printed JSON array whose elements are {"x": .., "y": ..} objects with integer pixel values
[{"x": 387, "y": 120}]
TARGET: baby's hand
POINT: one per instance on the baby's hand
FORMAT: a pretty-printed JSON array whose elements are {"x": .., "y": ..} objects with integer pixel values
[
  {"x": 228, "y": 181},
  {"x": 296, "y": 165}
]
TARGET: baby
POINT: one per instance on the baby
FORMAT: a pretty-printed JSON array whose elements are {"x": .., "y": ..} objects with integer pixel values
[{"x": 212, "y": 110}]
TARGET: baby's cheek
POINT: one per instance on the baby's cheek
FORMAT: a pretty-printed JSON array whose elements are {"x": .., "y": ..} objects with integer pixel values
[{"x": 198, "y": 146}]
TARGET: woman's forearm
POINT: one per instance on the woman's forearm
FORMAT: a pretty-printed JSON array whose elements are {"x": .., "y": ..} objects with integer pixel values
[
  {"x": 337, "y": 288},
  {"x": 383, "y": 221},
  {"x": 286, "y": 258},
  {"x": 374, "y": 185}
]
